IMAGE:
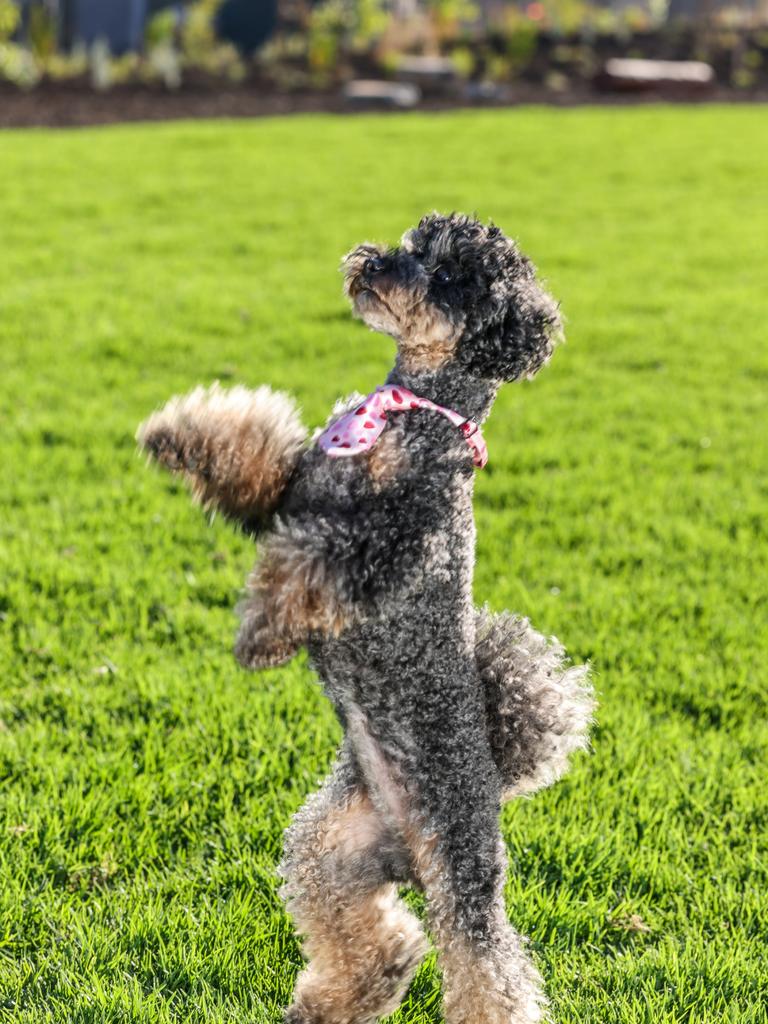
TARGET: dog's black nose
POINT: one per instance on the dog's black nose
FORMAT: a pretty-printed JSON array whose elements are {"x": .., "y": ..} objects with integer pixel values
[{"x": 375, "y": 265}]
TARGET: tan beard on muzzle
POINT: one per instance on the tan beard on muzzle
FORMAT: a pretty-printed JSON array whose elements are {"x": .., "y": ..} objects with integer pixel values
[{"x": 374, "y": 311}]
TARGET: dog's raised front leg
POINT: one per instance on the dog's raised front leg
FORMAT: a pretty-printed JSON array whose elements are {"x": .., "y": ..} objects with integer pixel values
[
  {"x": 236, "y": 449},
  {"x": 318, "y": 574},
  {"x": 295, "y": 590},
  {"x": 363, "y": 945}
]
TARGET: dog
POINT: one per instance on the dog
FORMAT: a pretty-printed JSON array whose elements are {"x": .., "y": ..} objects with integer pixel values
[{"x": 367, "y": 546}]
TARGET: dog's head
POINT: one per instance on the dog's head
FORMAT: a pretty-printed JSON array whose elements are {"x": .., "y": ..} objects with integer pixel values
[{"x": 455, "y": 291}]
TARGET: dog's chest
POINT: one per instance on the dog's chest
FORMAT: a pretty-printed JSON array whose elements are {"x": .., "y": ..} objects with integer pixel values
[{"x": 422, "y": 625}]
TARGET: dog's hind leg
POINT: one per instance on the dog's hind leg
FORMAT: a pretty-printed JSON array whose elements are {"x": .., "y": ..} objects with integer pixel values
[
  {"x": 446, "y": 806},
  {"x": 362, "y": 943},
  {"x": 539, "y": 708},
  {"x": 488, "y": 977}
]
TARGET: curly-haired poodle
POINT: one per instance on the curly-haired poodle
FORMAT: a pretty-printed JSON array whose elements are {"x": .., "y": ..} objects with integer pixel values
[{"x": 367, "y": 554}]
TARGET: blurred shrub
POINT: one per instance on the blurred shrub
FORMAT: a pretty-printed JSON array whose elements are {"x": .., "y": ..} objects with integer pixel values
[
  {"x": 328, "y": 25},
  {"x": 464, "y": 61},
  {"x": 18, "y": 66},
  {"x": 42, "y": 31},
  {"x": 337, "y": 29},
  {"x": 164, "y": 63},
  {"x": 517, "y": 36},
  {"x": 161, "y": 28},
  {"x": 202, "y": 49},
  {"x": 10, "y": 16},
  {"x": 568, "y": 16},
  {"x": 125, "y": 68},
  {"x": 15, "y": 61},
  {"x": 368, "y": 24},
  {"x": 550, "y": 42},
  {"x": 198, "y": 36},
  {"x": 100, "y": 62},
  {"x": 447, "y": 17},
  {"x": 63, "y": 66}
]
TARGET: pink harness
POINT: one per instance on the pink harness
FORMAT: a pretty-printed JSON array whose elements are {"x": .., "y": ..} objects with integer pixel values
[{"x": 360, "y": 429}]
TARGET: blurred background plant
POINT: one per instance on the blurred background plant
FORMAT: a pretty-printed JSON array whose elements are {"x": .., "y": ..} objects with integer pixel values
[
  {"x": 17, "y": 63},
  {"x": 321, "y": 44},
  {"x": 448, "y": 17}
]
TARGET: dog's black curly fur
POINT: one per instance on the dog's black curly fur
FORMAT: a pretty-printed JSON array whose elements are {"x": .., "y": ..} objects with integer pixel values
[
  {"x": 488, "y": 287},
  {"x": 368, "y": 561}
]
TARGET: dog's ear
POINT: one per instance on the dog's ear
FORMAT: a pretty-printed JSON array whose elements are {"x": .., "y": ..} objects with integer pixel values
[
  {"x": 517, "y": 326},
  {"x": 530, "y": 328}
]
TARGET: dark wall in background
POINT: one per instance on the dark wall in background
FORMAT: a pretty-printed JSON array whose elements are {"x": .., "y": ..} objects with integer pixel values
[
  {"x": 120, "y": 22},
  {"x": 246, "y": 23}
]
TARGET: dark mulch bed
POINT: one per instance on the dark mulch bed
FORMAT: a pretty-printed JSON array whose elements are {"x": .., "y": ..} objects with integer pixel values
[{"x": 60, "y": 106}]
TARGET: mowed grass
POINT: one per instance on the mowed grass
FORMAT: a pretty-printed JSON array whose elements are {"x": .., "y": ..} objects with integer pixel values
[{"x": 145, "y": 780}]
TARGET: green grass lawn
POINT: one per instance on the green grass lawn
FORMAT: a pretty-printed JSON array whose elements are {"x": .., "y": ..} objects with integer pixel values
[{"x": 145, "y": 780}]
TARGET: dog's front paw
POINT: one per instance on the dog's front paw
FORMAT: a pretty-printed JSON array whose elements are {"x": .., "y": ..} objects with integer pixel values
[
  {"x": 296, "y": 1015},
  {"x": 258, "y": 646},
  {"x": 293, "y": 592},
  {"x": 162, "y": 439}
]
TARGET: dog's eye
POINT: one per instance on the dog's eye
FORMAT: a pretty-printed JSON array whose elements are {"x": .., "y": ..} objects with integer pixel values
[{"x": 443, "y": 275}]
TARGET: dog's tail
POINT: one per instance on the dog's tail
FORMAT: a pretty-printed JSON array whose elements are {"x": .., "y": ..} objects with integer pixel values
[
  {"x": 539, "y": 708},
  {"x": 235, "y": 448}
]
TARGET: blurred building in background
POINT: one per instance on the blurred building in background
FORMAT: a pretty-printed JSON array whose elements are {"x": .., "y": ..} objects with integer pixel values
[
  {"x": 122, "y": 24},
  {"x": 249, "y": 23},
  {"x": 388, "y": 52}
]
